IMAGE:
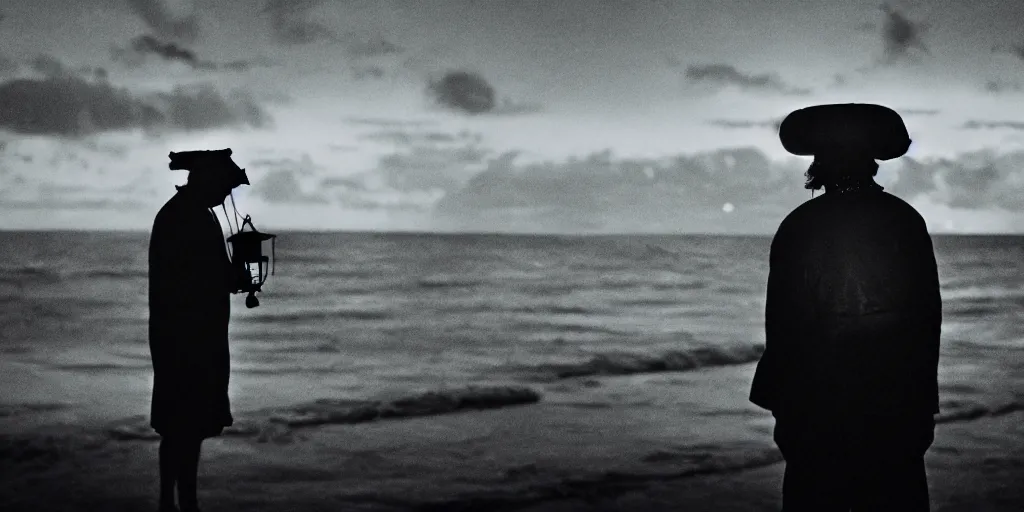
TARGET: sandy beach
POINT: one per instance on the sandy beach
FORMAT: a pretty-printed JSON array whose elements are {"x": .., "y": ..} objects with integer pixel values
[{"x": 562, "y": 450}]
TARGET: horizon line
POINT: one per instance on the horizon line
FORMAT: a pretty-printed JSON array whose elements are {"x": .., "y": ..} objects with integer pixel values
[{"x": 478, "y": 233}]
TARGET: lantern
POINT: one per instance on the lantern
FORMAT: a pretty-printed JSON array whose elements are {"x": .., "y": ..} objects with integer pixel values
[{"x": 249, "y": 262}]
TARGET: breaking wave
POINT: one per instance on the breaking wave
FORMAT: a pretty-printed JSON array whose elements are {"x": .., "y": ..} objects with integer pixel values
[{"x": 621, "y": 363}]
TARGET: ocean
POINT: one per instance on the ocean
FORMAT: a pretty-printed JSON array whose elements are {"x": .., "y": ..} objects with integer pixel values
[{"x": 372, "y": 315}]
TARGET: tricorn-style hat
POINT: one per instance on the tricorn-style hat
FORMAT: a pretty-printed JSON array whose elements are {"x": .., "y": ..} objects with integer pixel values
[
  {"x": 857, "y": 128},
  {"x": 215, "y": 160}
]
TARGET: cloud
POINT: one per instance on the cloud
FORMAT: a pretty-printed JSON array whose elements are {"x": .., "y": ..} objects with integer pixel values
[
  {"x": 687, "y": 192},
  {"x": 1015, "y": 50},
  {"x": 918, "y": 111},
  {"x": 407, "y": 181},
  {"x": 1001, "y": 86},
  {"x": 63, "y": 103},
  {"x": 722, "y": 75},
  {"x": 50, "y": 67},
  {"x": 464, "y": 91},
  {"x": 981, "y": 179},
  {"x": 382, "y": 122},
  {"x": 974, "y": 124},
  {"x": 602, "y": 193},
  {"x": 169, "y": 18},
  {"x": 375, "y": 47},
  {"x": 901, "y": 40},
  {"x": 145, "y": 45},
  {"x": 57, "y": 203},
  {"x": 202, "y": 107},
  {"x": 469, "y": 92},
  {"x": 290, "y": 23},
  {"x": 282, "y": 186},
  {"x": 772, "y": 124},
  {"x": 7, "y": 66}
]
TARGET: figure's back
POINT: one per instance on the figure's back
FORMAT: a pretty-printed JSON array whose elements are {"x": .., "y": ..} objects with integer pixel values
[{"x": 869, "y": 286}]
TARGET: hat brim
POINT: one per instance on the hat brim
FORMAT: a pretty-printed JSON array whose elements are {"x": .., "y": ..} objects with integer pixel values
[{"x": 850, "y": 128}]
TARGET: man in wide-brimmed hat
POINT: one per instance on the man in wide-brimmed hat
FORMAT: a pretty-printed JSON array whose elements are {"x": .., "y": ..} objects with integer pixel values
[{"x": 852, "y": 323}]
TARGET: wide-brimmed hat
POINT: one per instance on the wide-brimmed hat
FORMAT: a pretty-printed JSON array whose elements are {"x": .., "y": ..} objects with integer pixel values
[
  {"x": 845, "y": 128},
  {"x": 209, "y": 161}
]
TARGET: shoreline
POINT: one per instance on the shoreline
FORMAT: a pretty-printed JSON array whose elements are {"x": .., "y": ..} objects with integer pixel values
[{"x": 528, "y": 458}]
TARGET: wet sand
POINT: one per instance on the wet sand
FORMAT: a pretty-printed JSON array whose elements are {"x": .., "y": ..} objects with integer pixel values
[{"x": 567, "y": 448}]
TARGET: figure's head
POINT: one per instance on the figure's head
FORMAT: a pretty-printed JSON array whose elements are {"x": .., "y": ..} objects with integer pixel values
[
  {"x": 845, "y": 139},
  {"x": 210, "y": 188},
  {"x": 212, "y": 174}
]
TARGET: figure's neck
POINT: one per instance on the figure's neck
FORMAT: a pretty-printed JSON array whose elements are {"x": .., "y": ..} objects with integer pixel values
[
  {"x": 847, "y": 184},
  {"x": 191, "y": 197}
]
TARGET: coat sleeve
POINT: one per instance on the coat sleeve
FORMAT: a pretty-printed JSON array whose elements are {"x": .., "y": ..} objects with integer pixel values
[
  {"x": 928, "y": 311},
  {"x": 786, "y": 311}
]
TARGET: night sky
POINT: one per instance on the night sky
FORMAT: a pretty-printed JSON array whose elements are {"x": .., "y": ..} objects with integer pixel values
[{"x": 566, "y": 116}]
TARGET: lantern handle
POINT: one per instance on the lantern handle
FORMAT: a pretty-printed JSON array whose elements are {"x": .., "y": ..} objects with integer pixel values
[{"x": 247, "y": 220}]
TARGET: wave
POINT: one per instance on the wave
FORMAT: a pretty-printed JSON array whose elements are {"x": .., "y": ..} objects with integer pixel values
[
  {"x": 981, "y": 293},
  {"x": 969, "y": 411},
  {"x": 99, "y": 367},
  {"x": 306, "y": 316},
  {"x": 554, "y": 309},
  {"x": 35, "y": 274},
  {"x": 13, "y": 410},
  {"x": 619, "y": 363},
  {"x": 276, "y": 424},
  {"x": 449, "y": 282}
]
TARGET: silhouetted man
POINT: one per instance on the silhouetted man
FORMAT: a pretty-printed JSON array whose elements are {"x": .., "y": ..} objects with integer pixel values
[
  {"x": 852, "y": 323},
  {"x": 190, "y": 281}
]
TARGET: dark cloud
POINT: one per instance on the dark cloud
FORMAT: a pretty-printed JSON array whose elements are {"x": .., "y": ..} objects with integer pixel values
[
  {"x": 290, "y": 23},
  {"x": 724, "y": 74},
  {"x": 901, "y": 40},
  {"x": 70, "y": 106},
  {"x": 1000, "y": 86},
  {"x": 901, "y": 35},
  {"x": 145, "y": 45},
  {"x": 469, "y": 92},
  {"x": 169, "y": 18},
  {"x": 974, "y": 124},
  {"x": 202, "y": 107},
  {"x": 65, "y": 104},
  {"x": 464, "y": 91}
]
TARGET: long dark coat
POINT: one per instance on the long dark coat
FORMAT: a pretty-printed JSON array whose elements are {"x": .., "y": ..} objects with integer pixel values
[
  {"x": 854, "y": 313},
  {"x": 189, "y": 309}
]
